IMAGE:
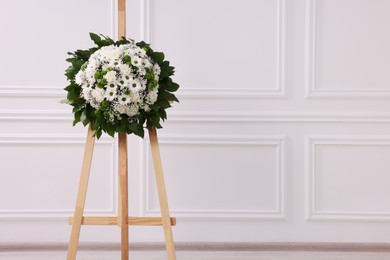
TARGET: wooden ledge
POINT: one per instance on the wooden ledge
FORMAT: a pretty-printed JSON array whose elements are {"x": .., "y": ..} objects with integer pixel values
[{"x": 131, "y": 221}]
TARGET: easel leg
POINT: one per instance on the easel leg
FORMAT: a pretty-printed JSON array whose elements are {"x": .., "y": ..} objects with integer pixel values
[
  {"x": 82, "y": 192},
  {"x": 122, "y": 156},
  {"x": 123, "y": 211},
  {"x": 162, "y": 194}
]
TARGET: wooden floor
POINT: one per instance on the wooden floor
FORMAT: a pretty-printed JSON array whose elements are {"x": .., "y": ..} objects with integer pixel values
[{"x": 199, "y": 255}]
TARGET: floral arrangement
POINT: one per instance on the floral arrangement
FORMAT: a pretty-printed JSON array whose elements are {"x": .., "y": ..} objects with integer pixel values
[{"x": 119, "y": 86}]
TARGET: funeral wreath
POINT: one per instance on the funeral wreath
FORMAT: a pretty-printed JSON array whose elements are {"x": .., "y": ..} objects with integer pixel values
[{"x": 119, "y": 86}]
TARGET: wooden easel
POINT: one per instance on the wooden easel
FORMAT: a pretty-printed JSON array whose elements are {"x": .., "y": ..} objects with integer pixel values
[{"x": 122, "y": 220}]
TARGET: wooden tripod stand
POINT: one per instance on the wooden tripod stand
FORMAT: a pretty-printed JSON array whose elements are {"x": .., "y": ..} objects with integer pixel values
[{"x": 122, "y": 220}]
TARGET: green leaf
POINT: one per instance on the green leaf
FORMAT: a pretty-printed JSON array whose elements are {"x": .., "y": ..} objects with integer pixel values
[
  {"x": 70, "y": 72},
  {"x": 84, "y": 119},
  {"x": 123, "y": 124},
  {"x": 158, "y": 57},
  {"x": 142, "y": 44},
  {"x": 96, "y": 39},
  {"x": 108, "y": 40},
  {"x": 157, "y": 125},
  {"x": 122, "y": 41},
  {"x": 162, "y": 114},
  {"x": 172, "y": 87},
  {"x": 163, "y": 103},
  {"x": 154, "y": 107},
  {"x": 156, "y": 120},
  {"x": 77, "y": 109},
  {"x": 173, "y": 98},
  {"x": 111, "y": 131},
  {"x": 71, "y": 59},
  {"x": 79, "y": 102},
  {"x": 90, "y": 112},
  {"x": 133, "y": 127},
  {"x": 70, "y": 87},
  {"x": 77, "y": 117},
  {"x": 140, "y": 131},
  {"x": 83, "y": 54},
  {"x": 99, "y": 119},
  {"x": 166, "y": 70},
  {"x": 149, "y": 124},
  {"x": 141, "y": 120},
  {"x": 98, "y": 133},
  {"x": 77, "y": 64},
  {"x": 72, "y": 94}
]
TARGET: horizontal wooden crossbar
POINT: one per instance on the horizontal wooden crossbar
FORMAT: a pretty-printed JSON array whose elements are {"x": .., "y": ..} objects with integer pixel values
[{"x": 131, "y": 221}]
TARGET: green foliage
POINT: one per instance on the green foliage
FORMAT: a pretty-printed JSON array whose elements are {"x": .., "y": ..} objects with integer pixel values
[{"x": 84, "y": 113}]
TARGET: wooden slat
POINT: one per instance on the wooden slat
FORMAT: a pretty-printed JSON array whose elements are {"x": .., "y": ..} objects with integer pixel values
[
  {"x": 131, "y": 221},
  {"x": 81, "y": 195},
  {"x": 123, "y": 179},
  {"x": 162, "y": 194},
  {"x": 122, "y": 156},
  {"x": 123, "y": 202},
  {"x": 121, "y": 19}
]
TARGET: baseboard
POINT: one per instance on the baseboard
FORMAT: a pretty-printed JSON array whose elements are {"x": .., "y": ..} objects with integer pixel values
[{"x": 277, "y": 246}]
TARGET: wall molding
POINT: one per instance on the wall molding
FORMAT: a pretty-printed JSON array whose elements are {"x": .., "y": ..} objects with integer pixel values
[
  {"x": 32, "y": 92},
  {"x": 310, "y": 195},
  {"x": 29, "y": 139},
  {"x": 311, "y": 84},
  {"x": 215, "y": 116},
  {"x": 274, "y": 140},
  {"x": 298, "y": 117},
  {"x": 279, "y": 91},
  {"x": 35, "y": 115}
]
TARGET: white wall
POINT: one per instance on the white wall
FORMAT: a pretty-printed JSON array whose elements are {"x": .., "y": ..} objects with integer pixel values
[{"x": 282, "y": 133}]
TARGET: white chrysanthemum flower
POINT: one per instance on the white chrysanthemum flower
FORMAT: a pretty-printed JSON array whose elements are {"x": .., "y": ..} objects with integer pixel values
[
  {"x": 132, "y": 110},
  {"x": 121, "y": 109},
  {"x": 124, "y": 99},
  {"x": 135, "y": 85},
  {"x": 147, "y": 108},
  {"x": 111, "y": 76},
  {"x": 141, "y": 71},
  {"x": 89, "y": 75},
  {"x": 114, "y": 64},
  {"x": 86, "y": 93},
  {"x": 93, "y": 62},
  {"x": 111, "y": 93},
  {"x": 141, "y": 52},
  {"x": 110, "y": 52},
  {"x": 156, "y": 69},
  {"x": 98, "y": 94},
  {"x": 115, "y": 53},
  {"x": 144, "y": 84},
  {"x": 80, "y": 78},
  {"x": 146, "y": 63},
  {"x": 112, "y": 85},
  {"x": 134, "y": 97},
  {"x": 124, "y": 47},
  {"x": 126, "y": 81},
  {"x": 152, "y": 96},
  {"x": 137, "y": 61},
  {"x": 94, "y": 104},
  {"x": 131, "y": 51},
  {"x": 125, "y": 69}
]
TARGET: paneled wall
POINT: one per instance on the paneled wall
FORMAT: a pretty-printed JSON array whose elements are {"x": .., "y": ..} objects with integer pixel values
[{"x": 282, "y": 133}]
